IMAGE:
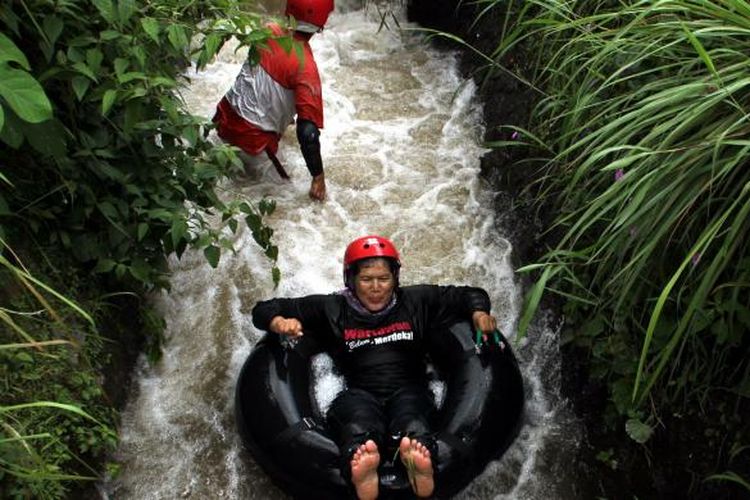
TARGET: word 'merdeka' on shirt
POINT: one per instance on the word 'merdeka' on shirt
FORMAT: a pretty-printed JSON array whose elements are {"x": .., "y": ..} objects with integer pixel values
[{"x": 360, "y": 337}]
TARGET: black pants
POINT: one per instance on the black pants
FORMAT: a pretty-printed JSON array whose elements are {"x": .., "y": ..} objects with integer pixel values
[{"x": 356, "y": 416}]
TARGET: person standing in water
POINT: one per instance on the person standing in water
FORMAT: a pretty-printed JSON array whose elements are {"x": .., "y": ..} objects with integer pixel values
[
  {"x": 268, "y": 93},
  {"x": 377, "y": 333}
]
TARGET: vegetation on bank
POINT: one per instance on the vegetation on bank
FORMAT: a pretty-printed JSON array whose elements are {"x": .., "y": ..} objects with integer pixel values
[
  {"x": 640, "y": 140},
  {"x": 103, "y": 175}
]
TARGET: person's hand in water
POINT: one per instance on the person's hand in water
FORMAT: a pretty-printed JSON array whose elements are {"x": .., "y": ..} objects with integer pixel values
[{"x": 318, "y": 187}]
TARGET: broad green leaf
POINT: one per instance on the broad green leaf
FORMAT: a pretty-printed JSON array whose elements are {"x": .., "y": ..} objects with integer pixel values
[
  {"x": 142, "y": 230},
  {"x": 139, "y": 91},
  {"x": 203, "y": 240},
  {"x": 83, "y": 68},
  {"x": 108, "y": 100},
  {"x": 211, "y": 44},
  {"x": 80, "y": 86},
  {"x": 53, "y": 26},
  {"x": 24, "y": 95},
  {"x": 190, "y": 134},
  {"x": 140, "y": 270},
  {"x": 140, "y": 55},
  {"x": 105, "y": 8},
  {"x": 177, "y": 37},
  {"x": 151, "y": 27},
  {"x": 104, "y": 265},
  {"x": 126, "y": 9},
  {"x": 75, "y": 54},
  {"x": 267, "y": 206},
  {"x": 272, "y": 252},
  {"x": 120, "y": 270},
  {"x": 210, "y": 47},
  {"x": 129, "y": 77},
  {"x": 226, "y": 244},
  {"x": 121, "y": 64},
  {"x": 94, "y": 58},
  {"x": 109, "y": 35},
  {"x": 161, "y": 81},
  {"x": 179, "y": 229},
  {"x": 253, "y": 221},
  {"x": 108, "y": 210},
  {"x": 638, "y": 431},
  {"x": 212, "y": 253},
  {"x": 160, "y": 214},
  {"x": 9, "y": 52},
  {"x": 2, "y": 118}
]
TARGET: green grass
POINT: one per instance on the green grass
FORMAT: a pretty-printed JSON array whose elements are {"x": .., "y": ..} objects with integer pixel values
[
  {"x": 643, "y": 121},
  {"x": 44, "y": 442}
]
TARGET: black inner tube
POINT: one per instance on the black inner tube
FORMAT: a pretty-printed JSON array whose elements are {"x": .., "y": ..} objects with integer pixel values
[{"x": 281, "y": 425}]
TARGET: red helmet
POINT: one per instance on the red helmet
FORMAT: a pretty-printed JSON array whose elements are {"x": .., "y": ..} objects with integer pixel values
[
  {"x": 314, "y": 12},
  {"x": 367, "y": 247}
]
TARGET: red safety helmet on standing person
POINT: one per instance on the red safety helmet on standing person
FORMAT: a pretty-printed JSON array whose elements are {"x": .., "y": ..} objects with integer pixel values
[
  {"x": 314, "y": 12},
  {"x": 368, "y": 247}
]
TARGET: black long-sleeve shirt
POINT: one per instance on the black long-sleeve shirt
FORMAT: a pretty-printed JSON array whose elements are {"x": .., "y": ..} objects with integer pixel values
[{"x": 378, "y": 353}]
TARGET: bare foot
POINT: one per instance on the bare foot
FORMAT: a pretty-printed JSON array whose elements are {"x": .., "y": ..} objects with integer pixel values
[
  {"x": 416, "y": 458},
  {"x": 364, "y": 464},
  {"x": 318, "y": 188}
]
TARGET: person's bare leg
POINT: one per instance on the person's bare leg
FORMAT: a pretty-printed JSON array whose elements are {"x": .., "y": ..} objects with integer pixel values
[
  {"x": 251, "y": 164},
  {"x": 364, "y": 465},
  {"x": 416, "y": 459}
]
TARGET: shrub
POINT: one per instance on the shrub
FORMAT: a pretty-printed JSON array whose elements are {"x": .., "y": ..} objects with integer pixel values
[{"x": 100, "y": 156}]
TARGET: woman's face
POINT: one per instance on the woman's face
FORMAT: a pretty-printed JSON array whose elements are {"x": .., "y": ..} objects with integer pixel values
[{"x": 374, "y": 284}]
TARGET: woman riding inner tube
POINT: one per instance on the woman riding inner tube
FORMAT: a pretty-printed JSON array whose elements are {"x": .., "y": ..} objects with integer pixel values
[{"x": 381, "y": 337}]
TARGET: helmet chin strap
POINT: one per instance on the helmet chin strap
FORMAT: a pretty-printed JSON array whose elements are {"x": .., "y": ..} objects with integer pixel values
[{"x": 306, "y": 27}]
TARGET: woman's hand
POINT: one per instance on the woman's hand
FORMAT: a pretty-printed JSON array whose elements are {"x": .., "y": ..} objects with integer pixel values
[
  {"x": 485, "y": 326},
  {"x": 484, "y": 322},
  {"x": 286, "y": 326}
]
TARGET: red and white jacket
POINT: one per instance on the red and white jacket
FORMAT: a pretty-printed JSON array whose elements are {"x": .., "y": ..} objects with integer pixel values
[{"x": 266, "y": 96}]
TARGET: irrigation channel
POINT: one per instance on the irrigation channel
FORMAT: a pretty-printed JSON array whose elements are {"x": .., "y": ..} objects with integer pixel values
[{"x": 401, "y": 147}]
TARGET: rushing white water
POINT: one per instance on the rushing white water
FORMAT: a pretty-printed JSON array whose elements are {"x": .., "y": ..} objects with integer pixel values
[{"x": 401, "y": 149}]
